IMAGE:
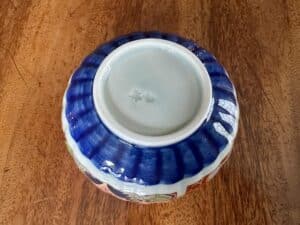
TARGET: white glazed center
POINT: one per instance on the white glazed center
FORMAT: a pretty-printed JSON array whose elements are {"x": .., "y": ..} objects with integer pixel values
[{"x": 152, "y": 92}]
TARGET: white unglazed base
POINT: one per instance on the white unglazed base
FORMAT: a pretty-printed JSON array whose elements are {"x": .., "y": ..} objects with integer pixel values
[{"x": 152, "y": 92}]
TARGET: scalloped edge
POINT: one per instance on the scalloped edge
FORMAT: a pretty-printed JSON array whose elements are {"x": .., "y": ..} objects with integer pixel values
[{"x": 179, "y": 187}]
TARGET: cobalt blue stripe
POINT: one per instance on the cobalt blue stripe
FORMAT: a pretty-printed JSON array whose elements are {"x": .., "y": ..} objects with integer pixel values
[
  {"x": 188, "y": 158},
  {"x": 117, "y": 170},
  {"x": 222, "y": 94},
  {"x": 190, "y": 45},
  {"x": 204, "y": 56},
  {"x": 84, "y": 72},
  {"x": 170, "y": 37},
  {"x": 214, "y": 67},
  {"x": 78, "y": 106},
  {"x": 147, "y": 170},
  {"x": 74, "y": 117},
  {"x": 228, "y": 127},
  {"x": 94, "y": 142},
  {"x": 109, "y": 153},
  {"x": 105, "y": 49},
  {"x": 136, "y": 36},
  {"x": 220, "y": 109},
  {"x": 93, "y": 60},
  {"x": 130, "y": 162},
  {"x": 97, "y": 157},
  {"x": 194, "y": 148},
  {"x": 83, "y": 125},
  {"x": 222, "y": 83},
  {"x": 216, "y": 138},
  {"x": 169, "y": 167},
  {"x": 81, "y": 80},
  {"x": 179, "y": 162},
  {"x": 207, "y": 147}
]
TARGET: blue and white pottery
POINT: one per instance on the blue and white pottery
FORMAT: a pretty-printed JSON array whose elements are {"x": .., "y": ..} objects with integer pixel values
[{"x": 149, "y": 116}]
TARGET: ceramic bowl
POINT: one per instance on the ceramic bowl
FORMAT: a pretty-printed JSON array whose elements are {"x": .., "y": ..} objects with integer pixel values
[{"x": 149, "y": 116}]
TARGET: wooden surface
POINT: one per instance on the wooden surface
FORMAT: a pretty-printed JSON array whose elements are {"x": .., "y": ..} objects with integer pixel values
[{"x": 41, "y": 42}]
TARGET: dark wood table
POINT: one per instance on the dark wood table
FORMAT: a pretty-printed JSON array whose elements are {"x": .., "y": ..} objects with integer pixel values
[{"x": 41, "y": 42}]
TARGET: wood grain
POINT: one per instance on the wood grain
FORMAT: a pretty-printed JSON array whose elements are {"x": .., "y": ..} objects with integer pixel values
[{"x": 41, "y": 42}]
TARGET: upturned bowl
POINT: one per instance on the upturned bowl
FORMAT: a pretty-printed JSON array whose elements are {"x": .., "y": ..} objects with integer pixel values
[{"x": 149, "y": 116}]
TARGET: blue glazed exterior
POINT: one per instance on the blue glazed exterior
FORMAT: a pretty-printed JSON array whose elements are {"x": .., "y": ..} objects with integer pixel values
[{"x": 144, "y": 165}]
